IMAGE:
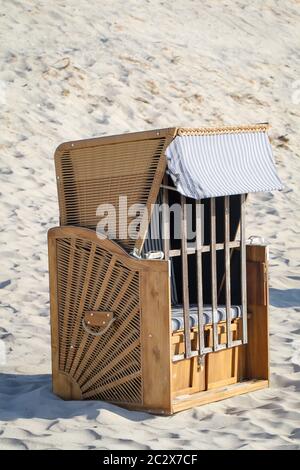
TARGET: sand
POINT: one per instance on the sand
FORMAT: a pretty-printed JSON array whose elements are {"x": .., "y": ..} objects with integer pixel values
[{"x": 76, "y": 69}]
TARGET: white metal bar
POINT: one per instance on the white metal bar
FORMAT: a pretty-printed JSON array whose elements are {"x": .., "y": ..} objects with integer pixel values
[
  {"x": 213, "y": 272},
  {"x": 205, "y": 249},
  {"x": 243, "y": 269},
  {"x": 185, "y": 278},
  {"x": 201, "y": 340},
  {"x": 227, "y": 270}
]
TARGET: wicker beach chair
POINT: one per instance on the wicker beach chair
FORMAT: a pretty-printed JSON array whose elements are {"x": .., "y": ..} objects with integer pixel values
[{"x": 160, "y": 323}]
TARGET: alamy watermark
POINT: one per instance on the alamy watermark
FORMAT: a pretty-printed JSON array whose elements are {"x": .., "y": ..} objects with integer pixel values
[{"x": 125, "y": 222}]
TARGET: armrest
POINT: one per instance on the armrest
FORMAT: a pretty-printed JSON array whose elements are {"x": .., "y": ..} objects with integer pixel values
[{"x": 84, "y": 234}]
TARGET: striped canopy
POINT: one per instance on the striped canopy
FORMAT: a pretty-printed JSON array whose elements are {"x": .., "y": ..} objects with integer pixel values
[{"x": 204, "y": 166}]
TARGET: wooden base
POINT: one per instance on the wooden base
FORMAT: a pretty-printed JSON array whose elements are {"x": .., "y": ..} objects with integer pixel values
[
  {"x": 187, "y": 401},
  {"x": 184, "y": 402}
]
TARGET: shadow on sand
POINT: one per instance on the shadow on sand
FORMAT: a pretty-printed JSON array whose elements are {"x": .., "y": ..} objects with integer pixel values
[
  {"x": 30, "y": 396},
  {"x": 285, "y": 298}
]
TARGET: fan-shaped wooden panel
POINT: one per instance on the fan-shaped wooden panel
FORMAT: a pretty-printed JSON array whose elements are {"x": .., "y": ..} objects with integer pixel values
[
  {"x": 106, "y": 367},
  {"x": 99, "y": 171}
]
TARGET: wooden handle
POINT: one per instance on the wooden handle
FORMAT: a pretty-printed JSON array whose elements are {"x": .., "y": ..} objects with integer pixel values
[
  {"x": 102, "y": 320},
  {"x": 96, "y": 318}
]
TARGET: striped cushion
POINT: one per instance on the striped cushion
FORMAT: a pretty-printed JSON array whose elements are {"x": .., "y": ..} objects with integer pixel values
[
  {"x": 220, "y": 165},
  {"x": 177, "y": 315}
]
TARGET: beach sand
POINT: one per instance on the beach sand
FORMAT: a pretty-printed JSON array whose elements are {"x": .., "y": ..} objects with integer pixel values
[{"x": 77, "y": 69}]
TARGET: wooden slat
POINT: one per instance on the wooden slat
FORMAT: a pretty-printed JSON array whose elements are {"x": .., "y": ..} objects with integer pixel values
[
  {"x": 213, "y": 271},
  {"x": 256, "y": 274},
  {"x": 123, "y": 289},
  {"x": 54, "y": 320},
  {"x": 185, "y": 278},
  {"x": 156, "y": 339},
  {"x": 64, "y": 352},
  {"x": 257, "y": 349},
  {"x": 188, "y": 377},
  {"x": 227, "y": 269},
  {"x": 243, "y": 270},
  {"x": 118, "y": 138},
  {"x": 199, "y": 277},
  {"x": 93, "y": 380},
  {"x": 221, "y": 369},
  {"x": 99, "y": 298},
  {"x": 113, "y": 384},
  {"x": 75, "y": 333}
]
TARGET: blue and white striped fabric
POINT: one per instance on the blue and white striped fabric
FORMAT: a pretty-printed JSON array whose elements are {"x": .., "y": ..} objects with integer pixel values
[
  {"x": 223, "y": 164},
  {"x": 220, "y": 315}
]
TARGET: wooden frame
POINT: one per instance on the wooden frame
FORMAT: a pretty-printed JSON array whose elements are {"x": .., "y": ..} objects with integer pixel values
[
  {"x": 158, "y": 374},
  {"x": 134, "y": 359}
]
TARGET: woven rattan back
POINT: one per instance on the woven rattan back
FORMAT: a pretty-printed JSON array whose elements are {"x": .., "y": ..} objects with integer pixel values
[{"x": 99, "y": 171}]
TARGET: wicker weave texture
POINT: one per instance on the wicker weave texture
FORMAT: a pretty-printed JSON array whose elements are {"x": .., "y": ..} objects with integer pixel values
[
  {"x": 106, "y": 367},
  {"x": 190, "y": 131},
  {"x": 89, "y": 176}
]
